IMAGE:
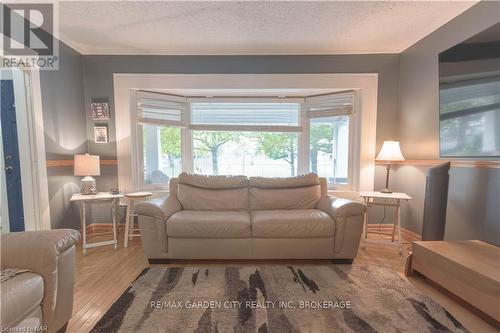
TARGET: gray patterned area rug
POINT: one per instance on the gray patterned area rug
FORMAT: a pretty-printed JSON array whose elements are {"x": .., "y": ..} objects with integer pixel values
[{"x": 275, "y": 298}]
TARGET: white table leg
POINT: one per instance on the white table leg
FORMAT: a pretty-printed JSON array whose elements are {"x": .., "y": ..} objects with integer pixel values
[
  {"x": 83, "y": 217},
  {"x": 365, "y": 222},
  {"x": 398, "y": 212},
  {"x": 396, "y": 223},
  {"x": 127, "y": 222},
  {"x": 113, "y": 217},
  {"x": 132, "y": 220}
]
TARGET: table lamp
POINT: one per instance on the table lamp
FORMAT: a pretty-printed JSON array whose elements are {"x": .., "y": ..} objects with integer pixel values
[
  {"x": 87, "y": 166},
  {"x": 390, "y": 152}
]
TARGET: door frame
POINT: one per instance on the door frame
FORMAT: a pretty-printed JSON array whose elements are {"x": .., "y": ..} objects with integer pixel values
[
  {"x": 31, "y": 141},
  {"x": 13, "y": 209}
]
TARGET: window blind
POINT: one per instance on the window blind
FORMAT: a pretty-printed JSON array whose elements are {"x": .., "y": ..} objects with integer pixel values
[
  {"x": 329, "y": 105},
  {"x": 160, "y": 109},
  {"x": 246, "y": 116}
]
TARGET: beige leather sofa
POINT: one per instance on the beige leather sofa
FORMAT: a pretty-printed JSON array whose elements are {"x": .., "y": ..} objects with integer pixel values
[
  {"x": 235, "y": 217},
  {"x": 43, "y": 297}
]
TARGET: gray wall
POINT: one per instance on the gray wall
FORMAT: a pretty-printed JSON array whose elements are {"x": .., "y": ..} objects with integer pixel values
[
  {"x": 65, "y": 131},
  {"x": 474, "y": 204}
]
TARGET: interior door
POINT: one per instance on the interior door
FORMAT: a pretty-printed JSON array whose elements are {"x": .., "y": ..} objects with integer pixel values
[{"x": 11, "y": 157}]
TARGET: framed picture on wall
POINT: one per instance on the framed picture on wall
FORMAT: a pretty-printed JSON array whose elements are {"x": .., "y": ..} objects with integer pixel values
[
  {"x": 99, "y": 110},
  {"x": 101, "y": 134}
]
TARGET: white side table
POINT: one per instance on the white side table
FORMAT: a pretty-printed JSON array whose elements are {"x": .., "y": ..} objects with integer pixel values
[
  {"x": 99, "y": 197},
  {"x": 394, "y": 201}
]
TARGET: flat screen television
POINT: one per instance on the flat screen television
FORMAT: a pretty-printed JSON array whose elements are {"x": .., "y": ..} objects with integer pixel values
[{"x": 469, "y": 97}]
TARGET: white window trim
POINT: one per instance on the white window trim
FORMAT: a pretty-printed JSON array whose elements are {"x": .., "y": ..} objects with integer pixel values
[{"x": 366, "y": 86}]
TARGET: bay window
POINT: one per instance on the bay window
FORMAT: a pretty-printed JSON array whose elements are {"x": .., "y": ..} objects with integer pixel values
[{"x": 253, "y": 136}]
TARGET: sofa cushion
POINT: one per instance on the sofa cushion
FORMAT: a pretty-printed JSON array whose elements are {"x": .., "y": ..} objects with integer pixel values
[
  {"x": 213, "y": 182},
  {"x": 284, "y": 198},
  {"x": 288, "y": 182},
  {"x": 298, "y": 223},
  {"x": 209, "y": 224},
  {"x": 21, "y": 295},
  {"x": 195, "y": 198}
]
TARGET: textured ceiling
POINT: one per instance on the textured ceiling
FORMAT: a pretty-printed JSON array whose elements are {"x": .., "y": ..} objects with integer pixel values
[{"x": 250, "y": 27}]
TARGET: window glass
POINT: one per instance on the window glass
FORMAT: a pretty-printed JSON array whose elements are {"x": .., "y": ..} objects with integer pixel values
[
  {"x": 470, "y": 118},
  {"x": 329, "y": 148},
  {"x": 264, "y": 154},
  {"x": 162, "y": 153}
]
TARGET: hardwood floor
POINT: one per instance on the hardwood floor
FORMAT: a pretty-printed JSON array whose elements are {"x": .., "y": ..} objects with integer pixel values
[
  {"x": 104, "y": 274},
  {"x": 101, "y": 277}
]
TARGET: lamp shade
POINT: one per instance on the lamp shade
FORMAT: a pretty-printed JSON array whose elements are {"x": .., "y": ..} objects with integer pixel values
[
  {"x": 87, "y": 165},
  {"x": 390, "y": 152}
]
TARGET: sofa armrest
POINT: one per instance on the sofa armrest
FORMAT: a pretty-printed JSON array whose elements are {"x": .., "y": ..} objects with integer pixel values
[
  {"x": 160, "y": 208},
  {"x": 349, "y": 217},
  {"x": 51, "y": 254},
  {"x": 153, "y": 215},
  {"x": 338, "y": 207}
]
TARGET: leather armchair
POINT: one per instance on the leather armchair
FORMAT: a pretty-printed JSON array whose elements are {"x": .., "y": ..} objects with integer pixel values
[{"x": 44, "y": 296}]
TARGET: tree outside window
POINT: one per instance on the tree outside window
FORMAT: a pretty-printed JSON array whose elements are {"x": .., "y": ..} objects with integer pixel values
[
  {"x": 329, "y": 148},
  {"x": 211, "y": 142},
  {"x": 321, "y": 140},
  {"x": 171, "y": 146},
  {"x": 245, "y": 153},
  {"x": 279, "y": 146}
]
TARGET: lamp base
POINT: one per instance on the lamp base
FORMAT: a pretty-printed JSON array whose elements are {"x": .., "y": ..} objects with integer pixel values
[
  {"x": 88, "y": 186},
  {"x": 388, "y": 168}
]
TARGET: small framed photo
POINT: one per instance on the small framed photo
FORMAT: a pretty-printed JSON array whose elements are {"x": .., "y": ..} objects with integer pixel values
[
  {"x": 101, "y": 134},
  {"x": 99, "y": 110}
]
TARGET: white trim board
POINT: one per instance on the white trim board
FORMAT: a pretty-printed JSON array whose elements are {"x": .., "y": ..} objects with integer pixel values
[
  {"x": 39, "y": 160},
  {"x": 365, "y": 85}
]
